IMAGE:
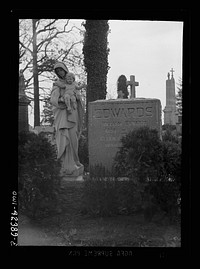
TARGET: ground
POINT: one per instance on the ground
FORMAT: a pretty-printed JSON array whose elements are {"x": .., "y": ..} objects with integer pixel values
[
  {"x": 71, "y": 227},
  {"x": 120, "y": 231}
]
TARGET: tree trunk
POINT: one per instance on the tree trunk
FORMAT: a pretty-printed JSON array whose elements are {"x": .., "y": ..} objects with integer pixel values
[{"x": 35, "y": 77}]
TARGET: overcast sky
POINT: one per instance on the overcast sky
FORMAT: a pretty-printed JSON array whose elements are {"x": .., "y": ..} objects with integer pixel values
[{"x": 147, "y": 50}]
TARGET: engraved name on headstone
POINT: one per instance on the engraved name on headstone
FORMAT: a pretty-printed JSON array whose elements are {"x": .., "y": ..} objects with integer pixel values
[{"x": 109, "y": 120}]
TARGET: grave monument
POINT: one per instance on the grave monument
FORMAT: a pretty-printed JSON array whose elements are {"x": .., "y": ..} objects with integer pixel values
[
  {"x": 23, "y": 105},
  {"x": 122, "y": 91},
  {"x": 133, "y": 84},
  {"x": 170, "y": 111},
  {"x": 109, "y": 120}
]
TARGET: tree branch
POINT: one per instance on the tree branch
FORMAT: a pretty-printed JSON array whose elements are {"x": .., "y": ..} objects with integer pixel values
[
  {"x": 21, "y": 53},
  {"x": 54, "y": 36},
  {"x": 68, "y": 51},
  {"x": 27, "y": 65},
  {"x": 25, "y": 47},
  {"x": 45, "y": 27},
  {"x": 46, "y": 40}
]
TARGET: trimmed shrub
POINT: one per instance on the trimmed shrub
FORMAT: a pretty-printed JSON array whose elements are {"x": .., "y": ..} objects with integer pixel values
[
  {"x": 140, "y": 155},
  {"x": 153, "y": 163},
  {"x": 38, "y": 175},
  {"x": 167, "y": 189}
]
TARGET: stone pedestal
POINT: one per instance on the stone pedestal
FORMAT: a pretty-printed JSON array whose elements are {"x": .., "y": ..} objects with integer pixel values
[
  {"x": 72, "y": 178},
  {"x": 23, "y": 114},
  {"x": 76, "y": 173},
  {"x": 170, "y": 111}
]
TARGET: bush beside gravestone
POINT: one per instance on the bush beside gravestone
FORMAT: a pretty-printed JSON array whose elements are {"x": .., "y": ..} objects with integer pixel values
[
  {"x": 140, "y": 155},
  {"x": 38, "y": 175},
  {"x": 153, "y": 167},
  {"x": 167, "y": 189},
  {"x": 154, "y": 164}
]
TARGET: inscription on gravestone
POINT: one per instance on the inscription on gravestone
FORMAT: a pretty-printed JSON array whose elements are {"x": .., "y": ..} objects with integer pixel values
[{"x": 109, "y": 120}]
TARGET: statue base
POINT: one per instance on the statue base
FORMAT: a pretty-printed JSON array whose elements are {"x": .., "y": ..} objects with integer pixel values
[
  {"x": 70, "y": 178},
  {"x": 77, "y": 174}
]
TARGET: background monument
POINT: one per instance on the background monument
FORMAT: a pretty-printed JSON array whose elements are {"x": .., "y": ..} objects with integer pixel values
[
  {"x": 22, "y": 106},
  {"x": 132, "y": 84},
  {"x": 109, "y": 120},
  {"x": 170, "y": 111}
]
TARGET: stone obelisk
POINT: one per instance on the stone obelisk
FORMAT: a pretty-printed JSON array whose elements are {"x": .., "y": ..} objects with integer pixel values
[{"x": 170, "y": 111}]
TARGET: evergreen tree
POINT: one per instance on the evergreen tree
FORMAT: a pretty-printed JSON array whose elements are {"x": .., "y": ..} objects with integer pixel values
[{"x": 95, "y": 52}]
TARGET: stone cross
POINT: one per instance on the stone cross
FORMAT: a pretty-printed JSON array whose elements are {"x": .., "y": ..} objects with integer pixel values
[
  {"x": 133, "y": 84},
  {"x": 172, "y": 71}
]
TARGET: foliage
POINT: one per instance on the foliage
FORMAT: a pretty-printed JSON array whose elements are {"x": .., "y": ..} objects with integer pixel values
[
  {"x": 140, "y": 155},
  {"x": 168, "y": 190},
  {"x": 179, "y": 97},
  {"x": 154, "y": 163},
  {"x": 122, "y": 86},
  {"x": 172, "y": 160},
  {"x": 168, "y": 127},
  {"x": 105, "y": 195},
  {"x": 38, "y": 175},
  {"x": 170, "y": 133},
  {"x": 109, "y": 196},
  {"x": 95, "y": 53},
  {"x": 47, "y": 112},
  {"x": 99, "y": 197}
]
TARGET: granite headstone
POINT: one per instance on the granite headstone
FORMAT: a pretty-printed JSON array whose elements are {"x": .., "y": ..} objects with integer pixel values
[{"x": 109, "y": 120}]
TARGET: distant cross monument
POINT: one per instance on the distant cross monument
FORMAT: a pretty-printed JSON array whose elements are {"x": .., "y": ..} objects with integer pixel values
[
  {"x": 170, "y": 112},
  {"x": 172, "y": 71},
  {"x": 133, "y": 84}
]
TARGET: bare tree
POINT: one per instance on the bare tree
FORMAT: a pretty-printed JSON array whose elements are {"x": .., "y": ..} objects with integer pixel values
[{"x": 42, "y": 42}]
